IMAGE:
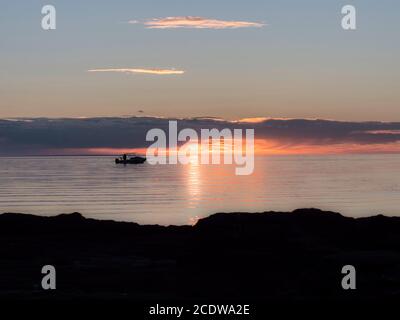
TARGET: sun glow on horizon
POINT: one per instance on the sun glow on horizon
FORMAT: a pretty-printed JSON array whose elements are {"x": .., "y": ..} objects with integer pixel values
[{"x": 261, "y": 147}]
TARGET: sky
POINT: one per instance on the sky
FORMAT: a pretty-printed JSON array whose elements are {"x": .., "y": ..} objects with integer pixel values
[{"x": 185, "y": 58}]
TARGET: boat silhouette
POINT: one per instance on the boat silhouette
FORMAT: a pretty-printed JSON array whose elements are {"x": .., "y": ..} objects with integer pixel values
[{"x": 131, "y": 160}]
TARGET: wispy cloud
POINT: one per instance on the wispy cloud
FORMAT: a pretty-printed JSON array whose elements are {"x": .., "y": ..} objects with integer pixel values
[
  {"x": 197, "y": 23},
  {"x": 140, "y": 70}
]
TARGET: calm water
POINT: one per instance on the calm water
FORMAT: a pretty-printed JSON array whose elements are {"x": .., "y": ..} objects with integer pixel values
[{"x": 356, "y": 185}]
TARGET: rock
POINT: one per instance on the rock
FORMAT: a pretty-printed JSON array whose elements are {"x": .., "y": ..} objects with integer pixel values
[{"x": 270, "y": 256}]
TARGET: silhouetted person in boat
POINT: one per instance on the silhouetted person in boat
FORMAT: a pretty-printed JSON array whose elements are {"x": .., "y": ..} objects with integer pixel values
[{"x": 124, "y": 157}]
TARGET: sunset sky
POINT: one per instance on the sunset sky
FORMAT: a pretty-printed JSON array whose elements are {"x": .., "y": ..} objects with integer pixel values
[
  {"x": 261, "y": 63},
  {"x": 230, "y": 59}
]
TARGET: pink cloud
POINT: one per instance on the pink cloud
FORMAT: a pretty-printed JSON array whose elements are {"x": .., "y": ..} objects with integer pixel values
[{"x": 198, "y": 23}]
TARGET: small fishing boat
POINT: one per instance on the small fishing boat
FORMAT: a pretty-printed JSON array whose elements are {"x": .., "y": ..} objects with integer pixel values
[{"x": 132, "y": 160}]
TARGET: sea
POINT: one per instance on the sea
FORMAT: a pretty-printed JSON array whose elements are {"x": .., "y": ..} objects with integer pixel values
[{"x": 354, "y": 185}]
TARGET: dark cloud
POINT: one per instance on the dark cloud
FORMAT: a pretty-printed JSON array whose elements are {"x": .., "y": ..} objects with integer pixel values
[
  {"x": 39, "y": 135},
  {"x": 322, "y": 132}
]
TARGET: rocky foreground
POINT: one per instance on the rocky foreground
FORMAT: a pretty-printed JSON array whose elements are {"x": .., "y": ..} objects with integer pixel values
[{"x": 271, "y": 255}]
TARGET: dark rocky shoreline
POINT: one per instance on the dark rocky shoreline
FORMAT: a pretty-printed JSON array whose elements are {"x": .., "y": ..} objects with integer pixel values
[{"x": 272, "y": 256}]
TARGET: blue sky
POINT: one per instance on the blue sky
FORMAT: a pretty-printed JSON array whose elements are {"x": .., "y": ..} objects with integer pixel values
[{"x": 301, "y": 64}]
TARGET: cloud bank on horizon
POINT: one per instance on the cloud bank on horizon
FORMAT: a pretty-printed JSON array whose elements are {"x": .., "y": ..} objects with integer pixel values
[
  {"x": 139, "y": 70},
  {"x": 39, "y": 136},
  {"x": 192, "y": 22}
]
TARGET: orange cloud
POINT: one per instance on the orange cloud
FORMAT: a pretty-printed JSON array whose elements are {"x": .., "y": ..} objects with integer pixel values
[
  {"x": 271, "y": 147},
  {"x": 253, "y": 120},
  {"x": 198, "y": 23},
  {"x": 141, "y": 70}
]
